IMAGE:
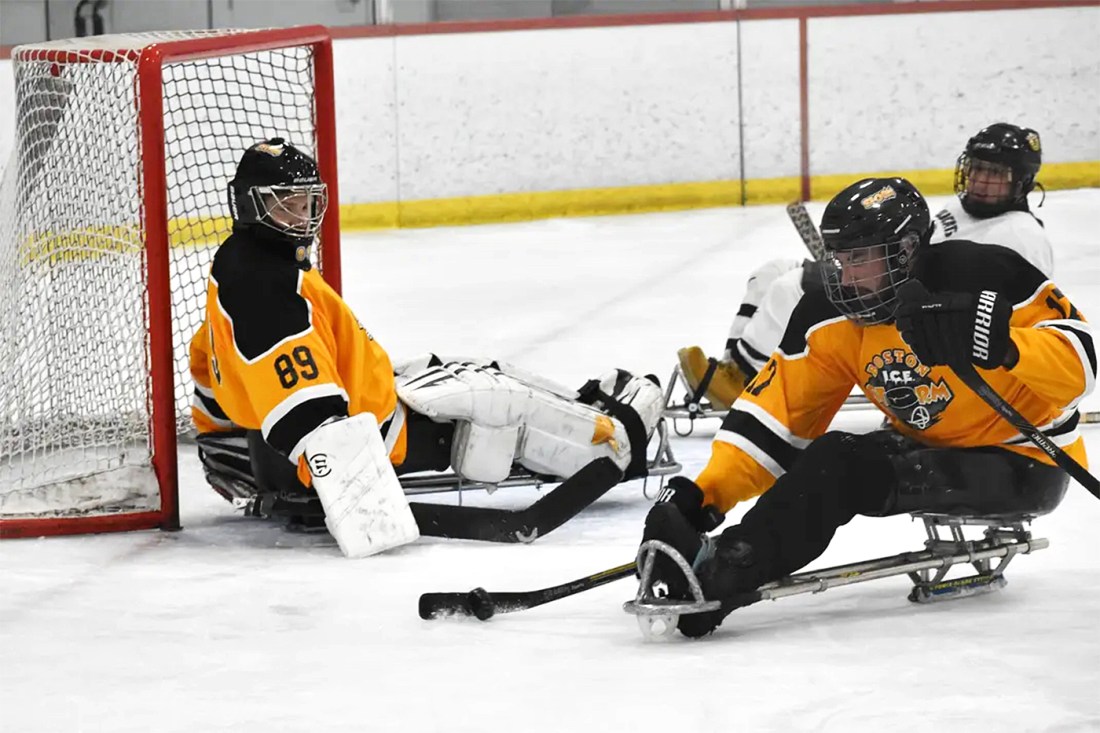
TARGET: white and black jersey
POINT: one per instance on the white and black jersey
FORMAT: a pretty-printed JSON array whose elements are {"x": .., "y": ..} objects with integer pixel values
[{"x": 1018, "y": 230}]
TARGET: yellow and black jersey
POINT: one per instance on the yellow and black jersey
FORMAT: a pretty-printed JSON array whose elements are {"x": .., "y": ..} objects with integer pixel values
[
  {"x": 822, "y": 355},
  {"x": 281, "y": 352}
]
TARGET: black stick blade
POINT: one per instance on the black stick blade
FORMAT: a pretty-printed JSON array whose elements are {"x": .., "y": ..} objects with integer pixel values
[
  {"x": 478, "y": 603},
  {"x": 438, "y": 605}
]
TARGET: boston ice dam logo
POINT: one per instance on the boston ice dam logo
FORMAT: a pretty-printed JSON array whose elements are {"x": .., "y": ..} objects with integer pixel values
[{"x": 900, "y": 383}]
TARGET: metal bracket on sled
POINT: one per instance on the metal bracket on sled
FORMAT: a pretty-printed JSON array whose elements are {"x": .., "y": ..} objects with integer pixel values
[
  {"x": 658, "y": 615},
  {"x": 1007, "y": 533}
]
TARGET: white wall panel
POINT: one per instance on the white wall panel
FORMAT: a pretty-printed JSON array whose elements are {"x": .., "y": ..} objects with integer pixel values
[
  {"x": 366, "y": 126},
  {"x": 906, "y": 91},
  {"x": 544, "y": 110},
  {"x": 447, "y": 115},
  {"x": 769, "y": 95}
]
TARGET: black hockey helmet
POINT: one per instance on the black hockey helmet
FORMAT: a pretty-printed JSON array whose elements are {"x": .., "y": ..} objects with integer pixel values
[
  {"x": 997, "y": 170},
  {"x": 872, "y": 231},
  {"x": 277, "y": 186}
]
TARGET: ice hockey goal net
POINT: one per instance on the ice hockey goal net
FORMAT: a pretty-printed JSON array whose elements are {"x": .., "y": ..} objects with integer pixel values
[{"x": 111, "y": 205}]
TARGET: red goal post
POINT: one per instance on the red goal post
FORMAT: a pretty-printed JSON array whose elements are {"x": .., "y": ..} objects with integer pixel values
[{"x": 111, "y": 206}]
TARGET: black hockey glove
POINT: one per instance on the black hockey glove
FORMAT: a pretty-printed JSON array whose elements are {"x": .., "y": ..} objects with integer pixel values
[
  {"x": 680, "y": 520},
  {"x": 688, "y": 499},
  {"x": 956, "y": 328}
]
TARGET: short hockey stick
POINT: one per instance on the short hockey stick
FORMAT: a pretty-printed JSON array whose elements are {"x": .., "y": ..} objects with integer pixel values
[
  {"x": 972, "y": 379},
  {"x": 483, "y": 604}
]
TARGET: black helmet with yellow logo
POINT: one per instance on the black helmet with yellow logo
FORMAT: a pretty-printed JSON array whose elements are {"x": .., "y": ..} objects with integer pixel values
[
  {"x": 872, "y": 231},
  {"x": 997, "y": 170},
  {"x": 277, "y": 186}
]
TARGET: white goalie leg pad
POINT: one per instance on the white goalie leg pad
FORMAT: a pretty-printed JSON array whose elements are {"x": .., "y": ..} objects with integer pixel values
[
  {"x": 641, "y": 394},
  {"x": 561, "y": 437},
  {"x": 502, "y": 419},
  {"x": 482, "y": 453},
  {"x": 365, "y": 508}
]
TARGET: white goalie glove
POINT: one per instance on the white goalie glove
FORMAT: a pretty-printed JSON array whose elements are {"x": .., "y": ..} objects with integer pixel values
[
  {"x": 365, "y": 507},
  {"x": 506, "y": 416}
]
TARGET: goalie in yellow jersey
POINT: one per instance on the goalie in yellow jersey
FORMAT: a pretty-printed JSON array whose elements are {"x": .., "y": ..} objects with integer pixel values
[
  {"x": 295, "y": 402},
  {"x": 892, "y": 312}
]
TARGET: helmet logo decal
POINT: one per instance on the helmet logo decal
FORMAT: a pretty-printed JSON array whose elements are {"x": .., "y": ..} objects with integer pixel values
[
  {"x": 274, "y": 150},
  {"x": 1033, "y": 141},
  {"x": 900, "y": 384},
  {"x": 883, "y": 194}
]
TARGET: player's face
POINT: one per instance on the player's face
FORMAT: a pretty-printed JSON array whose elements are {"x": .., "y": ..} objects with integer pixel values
[
  {"x": 291, "y": 211},
  {"x": 864, "y": 269},
  {"x": 988, "y": 183}
]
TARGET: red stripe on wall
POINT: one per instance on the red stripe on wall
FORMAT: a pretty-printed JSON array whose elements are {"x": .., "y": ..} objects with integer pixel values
[{"x": 804, "y": 104}]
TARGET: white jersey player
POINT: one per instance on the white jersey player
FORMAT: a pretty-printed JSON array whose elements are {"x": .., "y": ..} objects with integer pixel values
[{"x": 993, "y": 177}]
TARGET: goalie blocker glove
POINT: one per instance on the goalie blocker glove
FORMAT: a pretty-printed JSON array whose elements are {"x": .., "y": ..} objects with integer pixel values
[{"x": 956, "y": 328}]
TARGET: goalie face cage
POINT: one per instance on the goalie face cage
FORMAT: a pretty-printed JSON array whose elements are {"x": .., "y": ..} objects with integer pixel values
[{"x": 111, "y": 207}]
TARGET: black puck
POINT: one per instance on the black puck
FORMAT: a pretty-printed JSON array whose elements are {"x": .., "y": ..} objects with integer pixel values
[{"x": 481, "y": 603}]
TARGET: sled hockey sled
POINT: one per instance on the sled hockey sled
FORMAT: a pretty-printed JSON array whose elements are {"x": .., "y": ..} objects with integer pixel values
[{"x": 1002, "y": 539}]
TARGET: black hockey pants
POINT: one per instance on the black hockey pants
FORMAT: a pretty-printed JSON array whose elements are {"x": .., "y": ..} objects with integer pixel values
[{"x": 841, "y": 475}]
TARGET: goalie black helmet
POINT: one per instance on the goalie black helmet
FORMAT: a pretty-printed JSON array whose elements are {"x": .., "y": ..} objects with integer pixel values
[
  {"x": 997, "y": 170},
  {"x": 277, "y": 186},
  {"x": 872, "y": 231}
]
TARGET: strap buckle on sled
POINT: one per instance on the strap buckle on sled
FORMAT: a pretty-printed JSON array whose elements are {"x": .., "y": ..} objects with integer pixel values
[{"x": 692, "y": 403}]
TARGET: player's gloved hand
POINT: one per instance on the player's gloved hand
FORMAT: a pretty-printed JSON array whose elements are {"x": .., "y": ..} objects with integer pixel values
[
  {"x": 679, "y": 519},
  {"x": 687, "y": 497},
  {"x": 956, "y": 328}
]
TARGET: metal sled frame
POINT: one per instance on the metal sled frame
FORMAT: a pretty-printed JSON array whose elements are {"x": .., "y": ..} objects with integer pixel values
[
  {"x": 663, "y": 463},
  {"x": 1002, "y": 540}
]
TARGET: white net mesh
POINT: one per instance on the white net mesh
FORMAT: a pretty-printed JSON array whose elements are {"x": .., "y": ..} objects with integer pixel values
[{"x": 74, "y": 325}]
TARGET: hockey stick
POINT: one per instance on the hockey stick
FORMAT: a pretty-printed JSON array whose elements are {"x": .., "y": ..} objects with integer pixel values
[
  {"x": 970, "y": 377},
  {"x": 525, "y": 525},
  {"x": 484, "y": 605},
  {"x": 798, "y": 215}
]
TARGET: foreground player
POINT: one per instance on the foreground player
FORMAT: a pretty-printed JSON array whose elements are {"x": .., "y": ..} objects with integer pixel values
[
  {"x": 993, "y": 176},
  {"x": 282, "y": 356},
  {"x": 893, "y": 311}
]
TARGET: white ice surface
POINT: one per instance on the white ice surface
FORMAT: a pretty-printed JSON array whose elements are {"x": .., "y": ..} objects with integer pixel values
[{"x": 235, "y": 625}]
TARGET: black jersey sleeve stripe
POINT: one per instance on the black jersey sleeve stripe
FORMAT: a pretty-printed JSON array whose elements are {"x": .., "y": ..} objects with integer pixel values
[
  {"x": 210, "y": 406},
  {"x": 1085, "y": 339},
  {"x": 747, "y": 310},
  {"x": 301, "y": 420},
  {"x": 750, "y": 428},
  {"x": 752, "y": 352},
  {"x": 735, "y": 353}
]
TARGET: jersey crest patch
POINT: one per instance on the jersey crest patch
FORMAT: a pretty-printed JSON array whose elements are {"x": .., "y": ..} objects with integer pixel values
[{"x": 899, "y": 383}]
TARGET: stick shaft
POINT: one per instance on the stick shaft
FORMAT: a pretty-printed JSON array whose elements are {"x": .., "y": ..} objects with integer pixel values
[{"x": 972, "y": 379}]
